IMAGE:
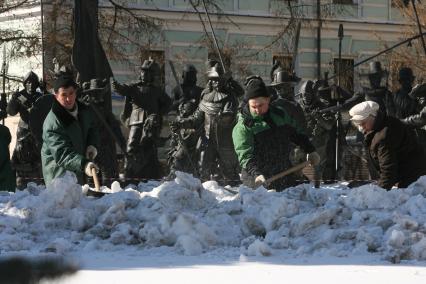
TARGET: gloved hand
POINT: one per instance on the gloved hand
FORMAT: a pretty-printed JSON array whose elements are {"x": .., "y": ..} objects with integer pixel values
[
  {"x": 259, "y": 180},
  {"x": 88, "y": 168},
  {"x": 91, "y": 152},
  {"x": 22, "y": 99},
  {"x": 116, "y": 87},
  {"x": 313, "y": 158}
]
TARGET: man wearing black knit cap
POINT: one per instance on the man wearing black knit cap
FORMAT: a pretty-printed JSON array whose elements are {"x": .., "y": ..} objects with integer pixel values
[
  {"x": 262, "y": 138},
  {"x": 69, "y": 134}
]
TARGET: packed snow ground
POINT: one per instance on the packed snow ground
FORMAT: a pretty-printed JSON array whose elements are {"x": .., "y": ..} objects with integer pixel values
[{"x": 184, "y": 223}]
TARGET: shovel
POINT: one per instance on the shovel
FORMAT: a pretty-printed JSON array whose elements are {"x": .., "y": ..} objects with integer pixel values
[
  {"x": 97, "y": 192},
  {"x": 285, "y": 173}
]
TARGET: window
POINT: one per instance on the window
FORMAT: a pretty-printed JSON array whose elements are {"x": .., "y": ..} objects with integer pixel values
[
  {"x": 346, "y": 78},
  {"x": 285, "y": 60},
  {"x": 346, "y": 2},
  {"x": 399, "y": 3}
]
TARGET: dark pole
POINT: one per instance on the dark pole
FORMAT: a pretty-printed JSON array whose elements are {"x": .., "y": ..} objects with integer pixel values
[
  {"x": 214, "y": 37},
  {"x": 419, "y": 25},
  {"x": 42, "y": 40},
  {"x": 319, "y": 40},
  {"x": 3, "y": 101},
  {"x": 337, "y": 98}
]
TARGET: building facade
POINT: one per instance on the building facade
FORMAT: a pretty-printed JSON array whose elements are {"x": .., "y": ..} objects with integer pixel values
[{"x": 252, "y": 31}]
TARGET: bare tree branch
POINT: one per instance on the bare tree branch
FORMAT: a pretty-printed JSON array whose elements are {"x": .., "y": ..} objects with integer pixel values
[{"x": 4, "y": 8}]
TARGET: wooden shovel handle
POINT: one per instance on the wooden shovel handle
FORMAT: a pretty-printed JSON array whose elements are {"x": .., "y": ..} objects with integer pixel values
[
  {"x": 286, "y": 172},
  {"x": 96, "y": 180}
]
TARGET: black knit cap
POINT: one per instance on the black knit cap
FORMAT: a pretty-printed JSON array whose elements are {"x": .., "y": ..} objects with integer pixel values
[
  {"x": 64, "y": 80},
  {"x": 255, "y": 87}
]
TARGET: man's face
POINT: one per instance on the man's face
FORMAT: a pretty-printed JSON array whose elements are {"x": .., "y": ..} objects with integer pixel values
[
  {"x": 30, "y": 87},
  {"x": 66, "y": 97},
  {"x": 215, "y": 83},
  {"x": 366, "y": 125},
  {"x": 259, "y": 105}
]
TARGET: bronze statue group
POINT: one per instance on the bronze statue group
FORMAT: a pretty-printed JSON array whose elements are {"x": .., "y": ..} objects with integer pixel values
[{"x": 224, "y": 131}]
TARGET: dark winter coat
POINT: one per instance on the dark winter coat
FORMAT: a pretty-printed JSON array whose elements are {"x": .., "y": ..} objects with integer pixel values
[
  {"x": 262, "y": 143},
  {"x": 146, "y": 101},
  {"x": 21, "y": 103},
  {"x": 404, "y": 105},
  {"x": 65, "y": 140},
  {"x": 416, "y": 120},
  {"x": 7, "y": 175},
  {"x": 382, "y": 96},
  {"x": 217, "y": 111},
  {"x": 395, "y": 152}
]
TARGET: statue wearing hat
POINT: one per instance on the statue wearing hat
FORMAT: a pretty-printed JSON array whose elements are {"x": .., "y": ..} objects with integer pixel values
[
  {"x": 418, "y": 119},
  {"x": 217, "y": 114},
  {"x": 404, "y": 104},
  {"x": 146, "y": 103},
  {"x": 188, "y": 90},
  {"x": 319, "y": 127},
  {"x": 186, "y": 97},
  {"x": 376, "y": 92},
  {"x": 93, "y": 93},
  {"x": 283, "y": 83},
  {"x": 282, "y": 87},
  {"x": 26, "y": 155}
]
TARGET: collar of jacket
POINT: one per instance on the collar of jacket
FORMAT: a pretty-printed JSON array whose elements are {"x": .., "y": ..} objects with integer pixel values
[
  {"x": 250, "y": 118},
  {"x": 62, "y": 114}
]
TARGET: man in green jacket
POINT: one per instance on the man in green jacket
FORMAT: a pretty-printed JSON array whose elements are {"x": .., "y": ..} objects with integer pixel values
[
  {"x": 69, "y": 134},
  {"x": 262, "y": 138}
]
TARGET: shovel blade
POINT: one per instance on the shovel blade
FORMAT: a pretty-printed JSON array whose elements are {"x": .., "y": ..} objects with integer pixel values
[{"x": 95, "y": 193}]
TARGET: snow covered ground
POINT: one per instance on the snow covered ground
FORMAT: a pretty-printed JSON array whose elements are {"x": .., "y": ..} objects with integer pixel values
[{"x": 187, "y": 232}]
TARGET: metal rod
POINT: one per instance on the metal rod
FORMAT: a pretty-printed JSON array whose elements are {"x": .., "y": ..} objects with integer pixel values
[
  {"x": 214, "y": 37},
  {"x": 3, "y": 95},
  {"x": 337, "y": 96},
  {"x": 378, "y": 54},
  {"x": 419, "y": 25}
]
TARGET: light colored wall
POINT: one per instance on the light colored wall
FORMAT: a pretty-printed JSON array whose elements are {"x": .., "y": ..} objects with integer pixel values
[{"x": 368, "y": 27}]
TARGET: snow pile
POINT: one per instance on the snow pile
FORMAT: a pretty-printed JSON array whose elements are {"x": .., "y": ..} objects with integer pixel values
[{"x": 195, "y": 218}]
